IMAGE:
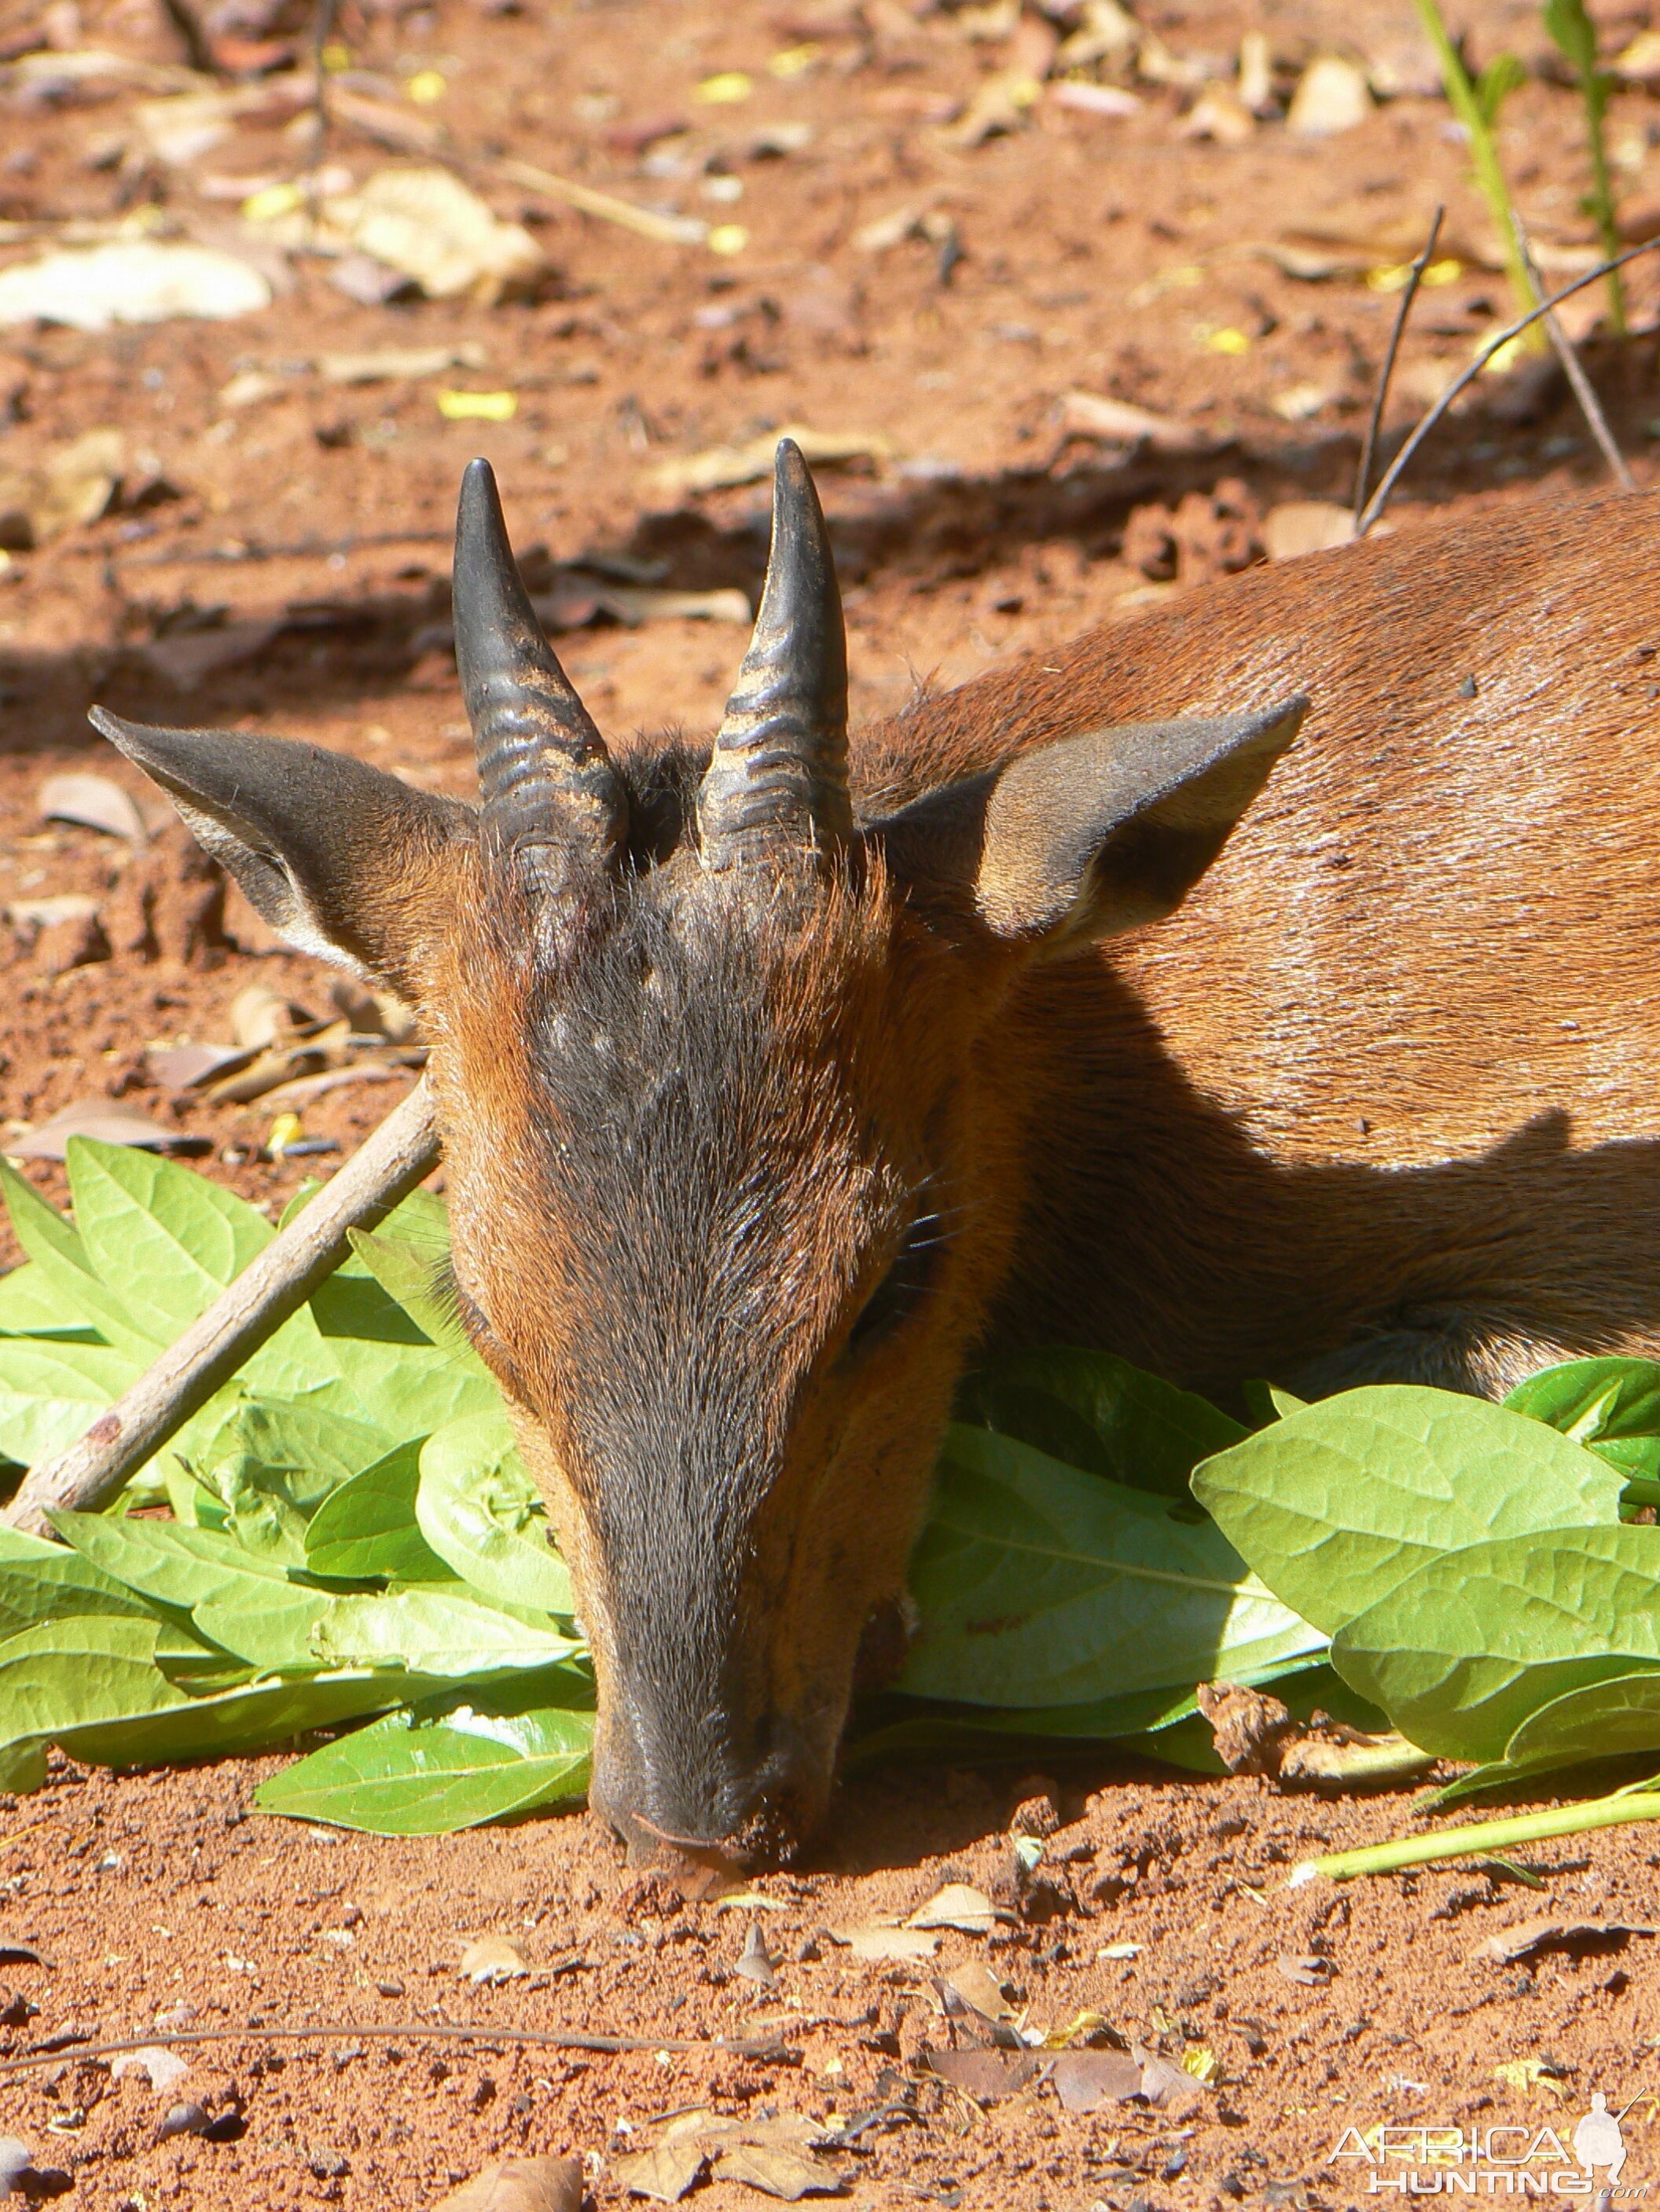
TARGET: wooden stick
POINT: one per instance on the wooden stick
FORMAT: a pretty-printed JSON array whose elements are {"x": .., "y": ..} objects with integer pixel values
[{"x": 401, "y": 1152}]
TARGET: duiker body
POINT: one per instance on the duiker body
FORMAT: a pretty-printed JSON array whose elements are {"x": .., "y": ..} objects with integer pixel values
[{"x": 781, "y": 1080}]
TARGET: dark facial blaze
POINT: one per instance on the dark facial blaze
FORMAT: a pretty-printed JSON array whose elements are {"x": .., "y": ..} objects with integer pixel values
[{"x": 727, "y": 1303}]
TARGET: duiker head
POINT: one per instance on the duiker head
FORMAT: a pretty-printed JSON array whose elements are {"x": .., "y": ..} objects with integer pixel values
[{"x": 734, "y": 1163}]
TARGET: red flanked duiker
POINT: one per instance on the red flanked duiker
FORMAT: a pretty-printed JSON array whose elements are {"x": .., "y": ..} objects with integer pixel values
[{"x": 780, "y": 1080}]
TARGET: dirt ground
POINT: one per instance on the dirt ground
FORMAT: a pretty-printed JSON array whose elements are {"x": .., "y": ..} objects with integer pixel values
[{"x": 927, "y": 249}]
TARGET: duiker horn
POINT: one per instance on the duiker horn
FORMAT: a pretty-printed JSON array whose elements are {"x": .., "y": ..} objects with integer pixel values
[
  {"x": 778, "y": 776},
  {"x": 550, "y": 793}
]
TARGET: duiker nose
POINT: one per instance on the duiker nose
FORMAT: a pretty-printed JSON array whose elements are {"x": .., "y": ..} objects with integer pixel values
[{"x": 709, "y": 1809}]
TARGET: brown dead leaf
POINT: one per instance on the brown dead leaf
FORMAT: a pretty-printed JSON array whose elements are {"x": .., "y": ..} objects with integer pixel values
[
  {"x": 979, "y": 1990},
  {"x": 721, "y": 466},
  {"x": 1332, "y": 95},
  {"x": 259, "y": 1016},
  {"x": 886, "y": 1942},
  {"x": 188, "y": 658},
  {"x": 293, "y": 1097},
  {"x": 1088, "y": 415},
  {"x": 28, "y": 917},
  {"x": 778, "y": 2171},
  {"x": 1529, "y": 1937},
  {"x": 1248, "y": 1726},
  {"x": 1352, "y": 1758},
  {"x": 957, "y": 1906},
  {"x": 754, "y": 1963},
  {"x": 985, "y": 2075},
  {"x": 1296, "y": 527},
  {"x": 666, "y": 2173},
  {"x": 1306, "y": 1970},
  {"x": 163, "y": 2067},
  {"x": 520, "y": 2184},
  {"x": 1086, "y": 2080},
  {"x": 1166, "y": 2087},
  {"x": 108, "y": 1120},
  {"x": 492, "y": 1959},
  {"x": 94, "y": 802},
  {"x": 182, "y": 1066},
  {"x": 69, "y": 485}
]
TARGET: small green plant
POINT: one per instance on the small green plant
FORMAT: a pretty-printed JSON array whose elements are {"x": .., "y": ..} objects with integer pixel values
[
  {"x": 344, "y": 1540},
  {"x": 1575, "y": 34},
  {"x": 1476, "y": 102}
]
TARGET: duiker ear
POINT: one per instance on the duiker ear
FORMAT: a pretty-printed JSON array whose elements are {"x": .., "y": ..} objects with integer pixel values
[
  {"x": 1090, "y": 836},
  {"x": 342, "y": 861}
]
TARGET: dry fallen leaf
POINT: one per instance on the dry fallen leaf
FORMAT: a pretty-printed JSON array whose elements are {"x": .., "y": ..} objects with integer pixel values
[
  {"x": 27, "y": 916},
  {"x": 979, "y": 1989},
  {"x": 139, "y": 279},
  {"x": 164, "y": 2068},
  {"x": 1088, "y": 415},
  {"x": 721, "y": 466},
  {"x": 96, "y": 802},
  {"x": 665, "y": 2173},
  {"x": 1310, "y": 1971},
  {"x": 182, "y": 1066},
  {"x": 985, "y": 2075},
  {"x": 778, "y": 2171},
  {"x": 753, "y": 1962},
  {"x": 66, "y": 486},
  {"x": 187, "y": 658},
  {"x": 1167, "y": 2087},
  {"x": 1526, "y": 1936},
  {"x": 259, "y": 1016},
  {"x": 106, "y": 1119},
  {"x": 520, "y": 2184},
  {"x": 957, "y": 1906},
  {"x": 1086, "y": 2080},
  {"x": 1296, "y": 527},
  {"x": 429, "y": 226},
  {"x": 1248, "y": 1726},
  {"x": 492, "y": 1958},
  {"x": 398, "y": 364},
  {"x": 1332, "y": 95},
  {"x": 886, "y": 1942}
]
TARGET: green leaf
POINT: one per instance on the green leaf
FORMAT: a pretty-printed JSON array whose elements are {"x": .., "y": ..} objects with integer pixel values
[
  {"x": 41, "y": 1581},
  {"x": 367, "y": 1526},
  {"x": 69, "y": 1674},
  {"x": 1096, "y": 1411},
  {"x": 167, "y": 1239},
  {"x": 434, "y": 1632},
  {"x": 1335, "y": 1504},
  {"x": 1504, "y": 75},
  {"x": 37, "y": 1225},
  {"x": 478, "y": 1512},
  {"x": 1608, "y": 1720},
  {"x": 410, "y": 1271},
  {"x": 406, "y": 1385},
  {"x": 449, "y": 1765},
  {"x": 1594, "y": 1400},
  {"x": 30, "y": 1307},
  {"x": 1040, "y": 1585},
  {"x": 237, "y": 1600},
  {"x": 1462, "y": 1652},
  {"x": 51, "y": 1394},
  {"x": 1568, "y": 24},
  {"x": 22, "y": 1767},
  {"x": 252, "y": 1716},
  {"x": 275, "y": 1461}
]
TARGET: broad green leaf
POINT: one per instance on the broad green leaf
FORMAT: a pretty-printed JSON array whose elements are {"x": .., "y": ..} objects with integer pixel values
[
  {"x": 1594, "y": 1400},
  {"x": 275, "y": 1461},
  {"x": 410, "y": 1271},
  {"x": 449, "y": 1765},
  {"x": 1333, "y": 1504},
  {"x": 1463, "y": 1651},
  {"x": 22, "y": 1767},
  {"x": 30, "y": 1307},
  {"x": 478, "y": 1510},
  {"x": 435, "y": 1631},
  {"x": 37, "y": 1225},
  {"x": 51, "y": 1394},
  {"x": 69, "y": 1674},
  {"x": 126, "y": 1327},
  {"x": 1040, "y": 1585},
  {"x": 1568, "y": 25},
  {"x": 367, "y": 1526},
  {"x": 406, "y": 1385},
  {"x": 257, "y": 1715},
  {"x": 1609, "y": 1720},
  {"x": 167, "y": 1239},
  {"x": 41, "y": 1581},
  {"x": 236, "y": 1599},
  {"x": 1091, "y": 1410}
]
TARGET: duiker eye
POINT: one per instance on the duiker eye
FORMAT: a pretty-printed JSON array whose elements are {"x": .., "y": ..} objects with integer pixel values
[{"x": 902, "y": 1289}]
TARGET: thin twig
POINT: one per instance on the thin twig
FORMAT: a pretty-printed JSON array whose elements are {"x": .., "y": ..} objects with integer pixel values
[
  {"x": 1414, "y": 278},
  {"x": 319, "y": 106},
  {"x": 198, "y": 47},
  {"x": 770, "y": 2052},
  {"x": 1590, "y": 405},
  {"x": 1392, "y": 475}
]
